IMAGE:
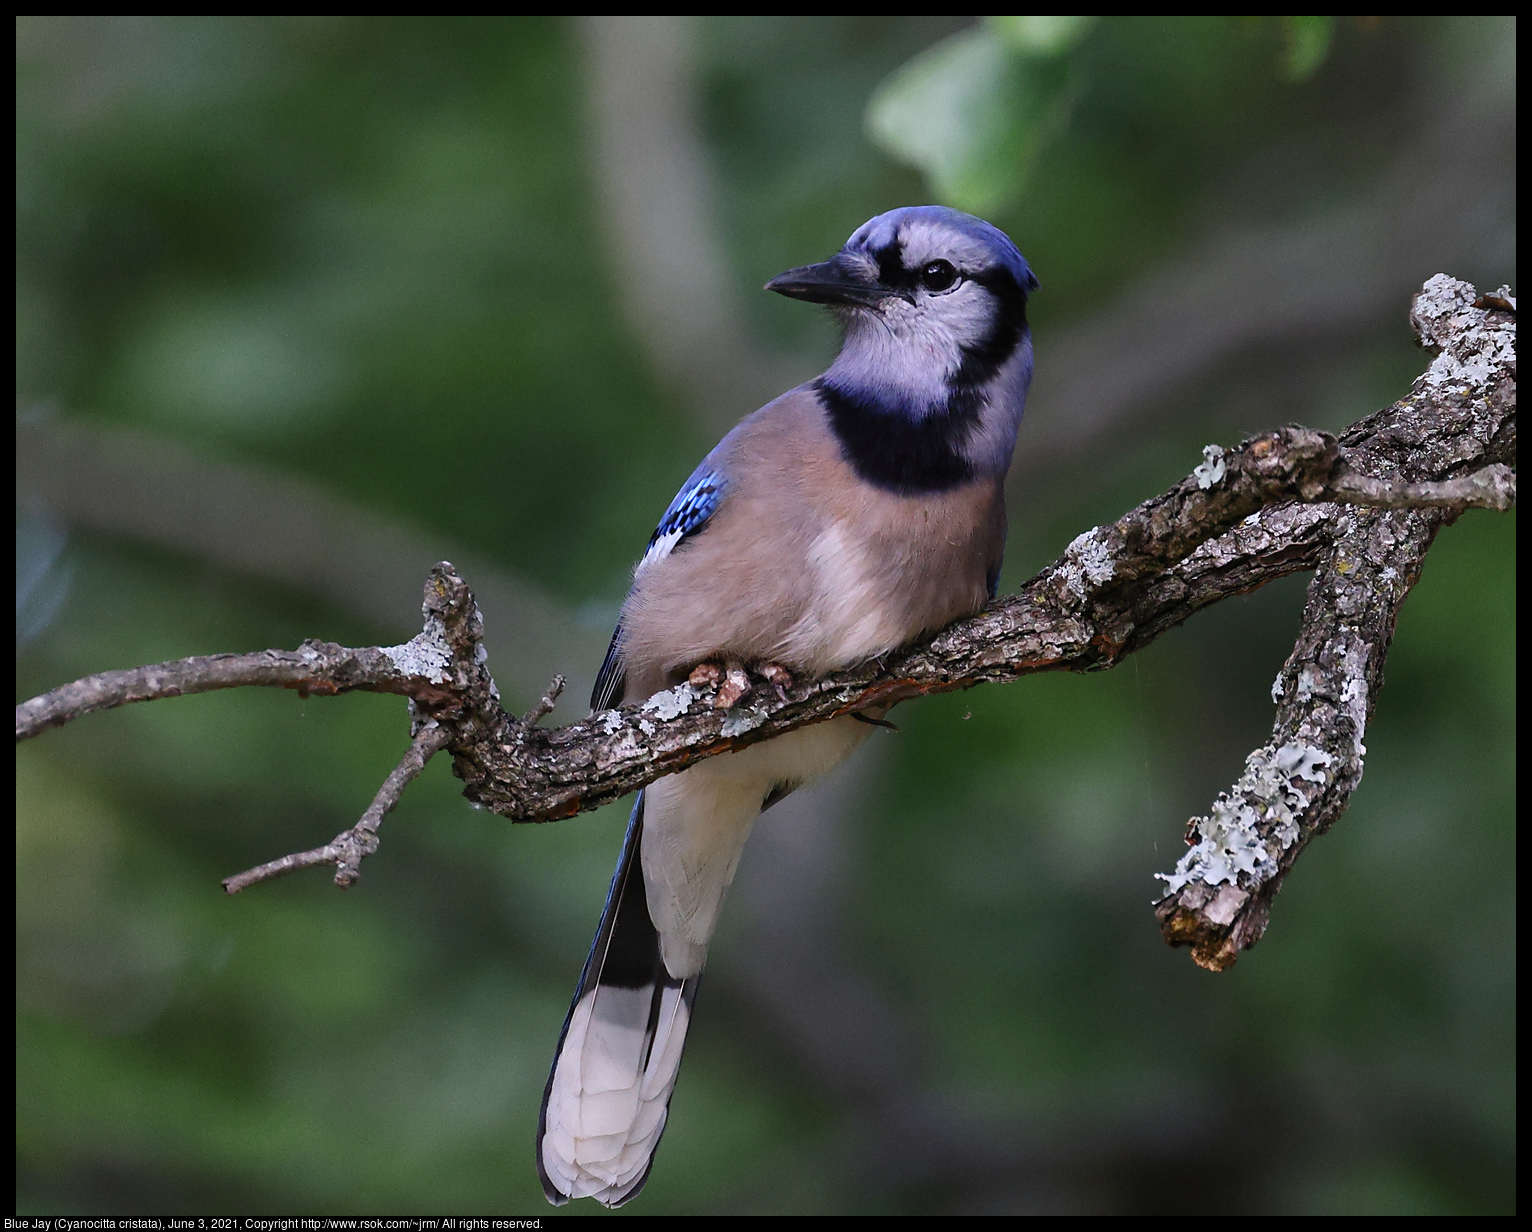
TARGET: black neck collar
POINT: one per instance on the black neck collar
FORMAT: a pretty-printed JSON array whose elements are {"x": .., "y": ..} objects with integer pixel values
[{"x": 915, "y": 450}]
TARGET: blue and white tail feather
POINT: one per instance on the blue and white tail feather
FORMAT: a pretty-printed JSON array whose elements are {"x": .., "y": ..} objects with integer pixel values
[{"x": 608, "y": 1094}]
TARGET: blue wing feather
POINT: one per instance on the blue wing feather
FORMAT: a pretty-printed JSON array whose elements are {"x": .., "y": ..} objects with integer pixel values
[{"x": 694, "y": 504}]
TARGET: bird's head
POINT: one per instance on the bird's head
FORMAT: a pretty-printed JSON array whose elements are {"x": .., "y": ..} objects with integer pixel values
[
  {"x": 930, "y": 297},
  {"x": 929, "y": 388}
]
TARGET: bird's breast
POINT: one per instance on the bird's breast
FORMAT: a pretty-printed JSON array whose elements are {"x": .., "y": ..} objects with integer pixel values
[
  {"x": 885, "y": 569},
  {"x": 851, "y": 615},
  {"x": 805, "y": 564}
]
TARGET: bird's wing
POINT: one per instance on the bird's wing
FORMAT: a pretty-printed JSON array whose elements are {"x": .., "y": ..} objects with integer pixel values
[{"x": 687, "y": 514}]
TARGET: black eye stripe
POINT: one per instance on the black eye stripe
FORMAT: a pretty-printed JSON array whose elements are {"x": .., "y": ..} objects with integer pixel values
[
  {"x": 997, "y": 280},
  {"x": 891, "y": 271}
]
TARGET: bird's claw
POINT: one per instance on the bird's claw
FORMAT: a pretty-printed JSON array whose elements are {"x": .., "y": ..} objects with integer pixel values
[
  {"x": 778, "y": 677},
  {"x": 735, "y": 685},
  {"x": 733, "y": 682}
]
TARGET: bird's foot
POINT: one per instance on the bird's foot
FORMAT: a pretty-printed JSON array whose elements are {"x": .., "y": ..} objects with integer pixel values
[
  {"x": 778, "y": 677},
  {"x": 733, "y": 682},
  {"x": 728, "y": 678}
]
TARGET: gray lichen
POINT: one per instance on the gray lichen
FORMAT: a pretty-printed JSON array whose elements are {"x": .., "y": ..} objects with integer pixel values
[
  {"x": 426, "y": 655},
  {"x": 1444, "y": 311},
  {"x": 1211, "y": 469},
  {"x": 672, "y": 702},
  {"x": 1087, "y": 562},
  {"x": 740, "y": 720},
  {"x": 1249, "y": 829}
]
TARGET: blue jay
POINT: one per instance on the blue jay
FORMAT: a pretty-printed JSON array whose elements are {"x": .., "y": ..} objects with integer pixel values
[{"x": 840, "y": 521}]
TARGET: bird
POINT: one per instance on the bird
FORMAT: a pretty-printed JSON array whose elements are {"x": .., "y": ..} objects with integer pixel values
[{"x": 841, "y": 520}]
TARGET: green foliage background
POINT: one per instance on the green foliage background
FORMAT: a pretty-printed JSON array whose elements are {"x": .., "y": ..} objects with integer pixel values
[{"x": 368, "y": 252}]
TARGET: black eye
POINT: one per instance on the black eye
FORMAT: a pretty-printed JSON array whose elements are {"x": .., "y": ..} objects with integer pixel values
[{"x": 938, "y": 276}]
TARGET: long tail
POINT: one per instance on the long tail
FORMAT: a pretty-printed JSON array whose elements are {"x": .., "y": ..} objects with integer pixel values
[{"x": 605, "y": 1104}]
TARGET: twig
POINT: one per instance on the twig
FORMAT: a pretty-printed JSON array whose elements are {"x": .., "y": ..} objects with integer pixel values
[
  {"x": 432, "y": 669},
  {"x": 1494, "y": 487},
  {"x": 315, "y": 667},
  {"x": 348, "y": 848},
  {"x": 277, "y": 525},
  {"x": 545, "y": 704}
]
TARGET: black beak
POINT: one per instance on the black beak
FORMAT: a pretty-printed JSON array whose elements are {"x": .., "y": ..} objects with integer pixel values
[{"x": 840, "y": 280}]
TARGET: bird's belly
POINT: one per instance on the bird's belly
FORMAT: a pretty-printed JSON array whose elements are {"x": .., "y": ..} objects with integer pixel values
[
  {"x": 866, "y": 599},
  {"x": 696, "y": 823}
]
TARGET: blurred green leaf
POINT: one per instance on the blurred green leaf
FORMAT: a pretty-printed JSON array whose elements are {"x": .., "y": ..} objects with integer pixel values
[
  {"x": 1308, "y": 45},
  {"x": 975, "y": 111},
  {"x": 1041, "y": 36}
]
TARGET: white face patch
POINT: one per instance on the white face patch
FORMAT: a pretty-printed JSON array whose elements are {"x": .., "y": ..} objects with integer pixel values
[
  {"x": 916, "y": 347},
  {"x": 944, "y": 322}
]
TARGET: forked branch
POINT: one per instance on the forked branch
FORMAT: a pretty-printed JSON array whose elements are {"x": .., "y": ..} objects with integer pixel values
[{"x": 1360, "y": 509}]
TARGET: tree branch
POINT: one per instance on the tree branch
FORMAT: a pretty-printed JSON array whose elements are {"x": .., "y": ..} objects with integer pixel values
[
  {"x": 347, "y": 848},
  {"x": 315, "y": 667},
  {"x": 1492, "y": 488},
  {"x": 1281, "y": 502},
  {"x": 287, "y": 529},
  {"x": 1298, "y": 783}
]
